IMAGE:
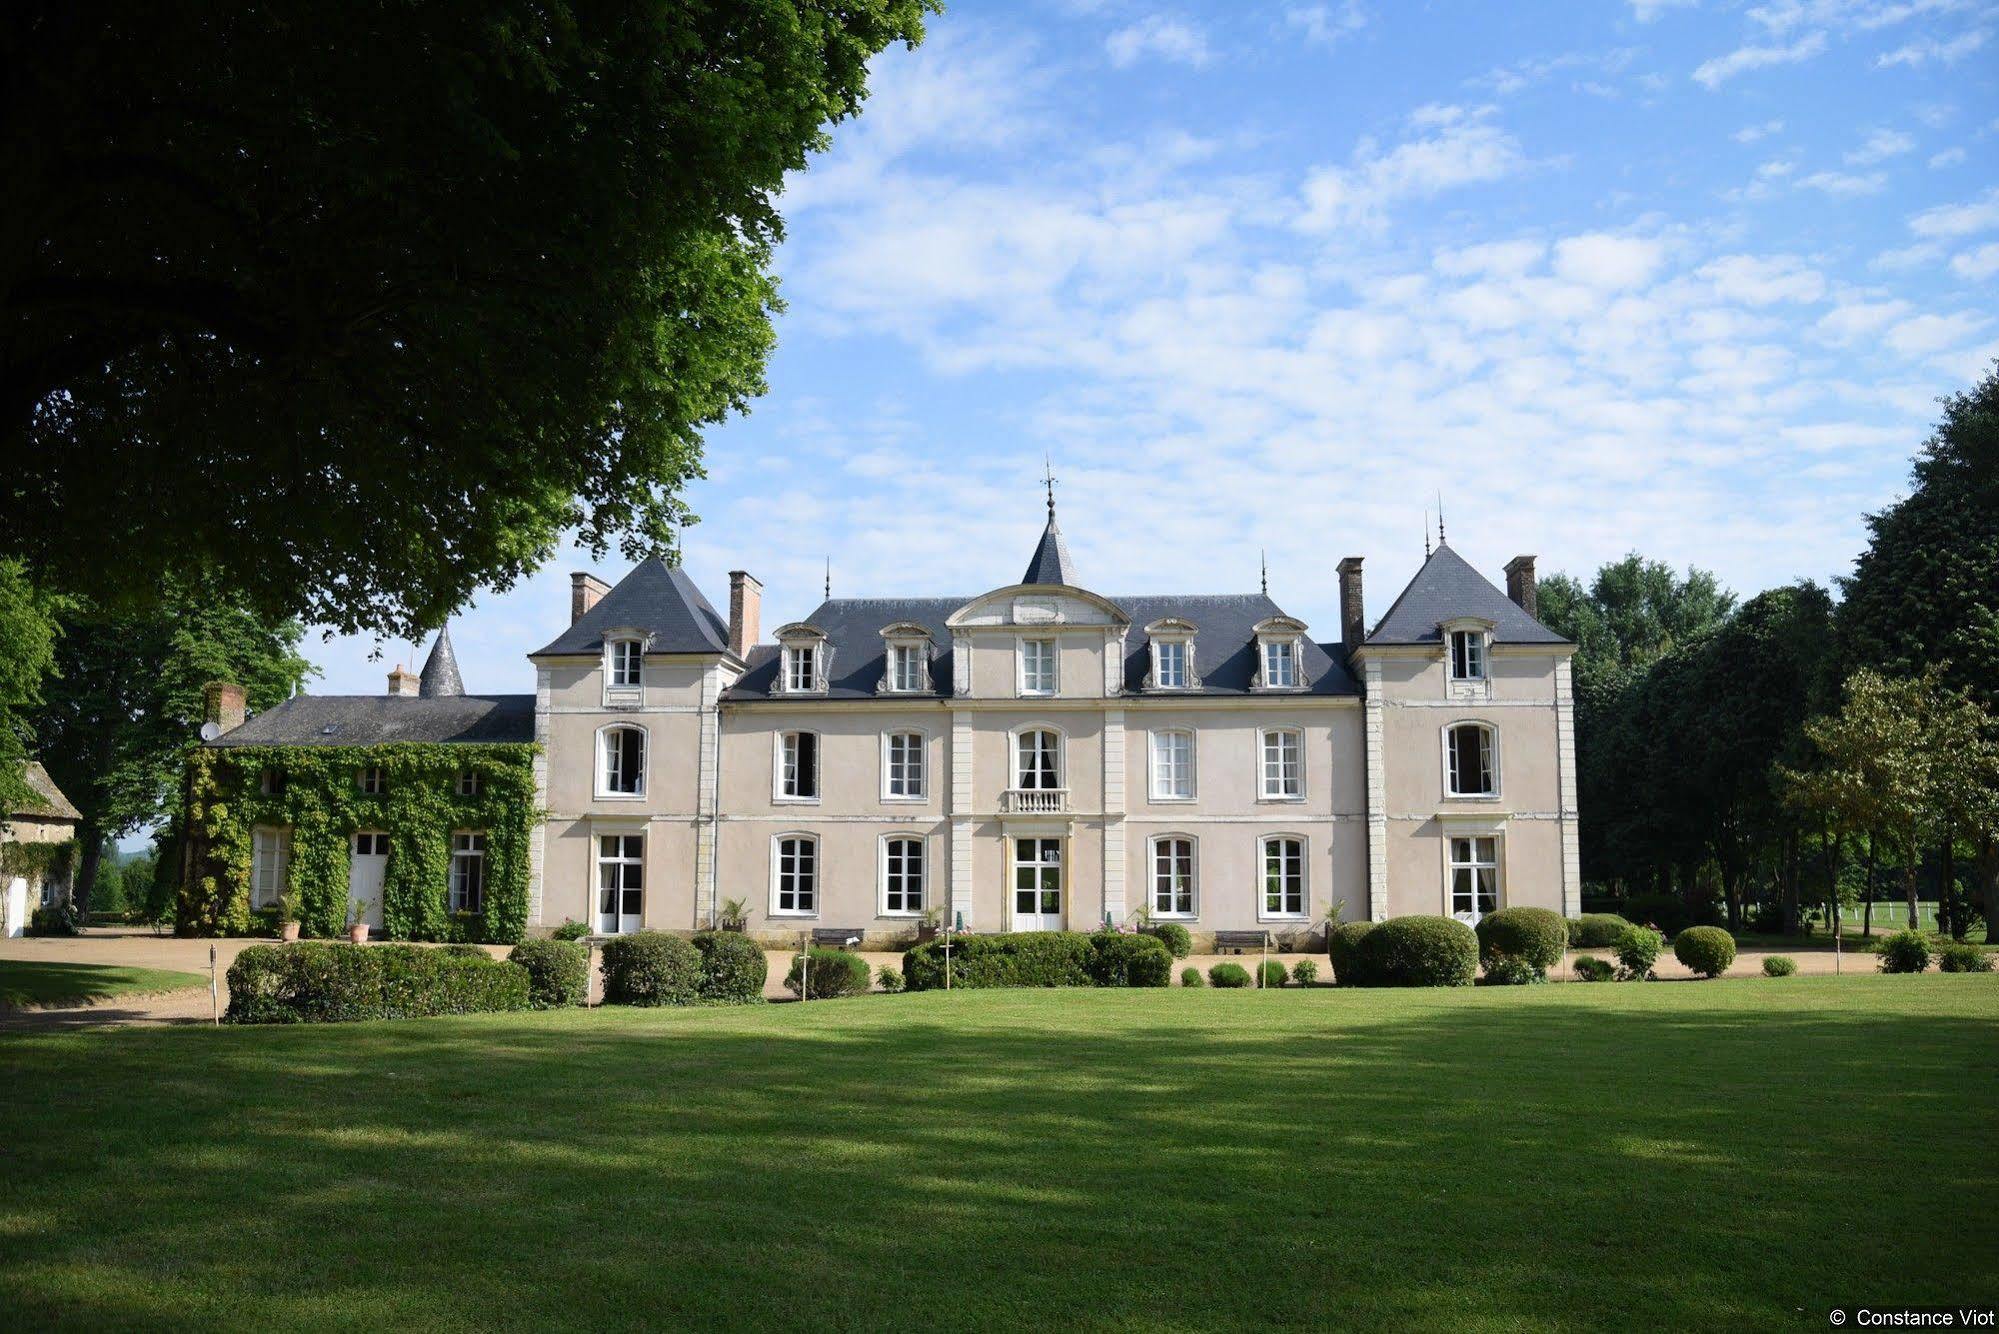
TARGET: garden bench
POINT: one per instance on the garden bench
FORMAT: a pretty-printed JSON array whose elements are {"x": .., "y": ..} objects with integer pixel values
[
  {"x": 835, "y": 936},
  {"x": 1240, "y": 940}
]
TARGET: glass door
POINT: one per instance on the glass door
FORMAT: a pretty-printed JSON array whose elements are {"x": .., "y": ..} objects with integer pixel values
[
  {"x": 1037, "y": 884},
  {"x": 620, "y": 883}
]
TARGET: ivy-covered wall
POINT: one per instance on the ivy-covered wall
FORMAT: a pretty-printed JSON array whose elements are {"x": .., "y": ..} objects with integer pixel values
[{"x": 322, "y": 805}]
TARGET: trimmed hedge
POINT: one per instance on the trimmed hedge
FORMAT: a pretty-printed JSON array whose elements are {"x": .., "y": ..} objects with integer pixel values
[
  {"x": 1637, "y": 950},
  {"x": 1534, "y": 936},
  {"x": 651, "y": 968},
  {"x": 1041, "y": 959},
  {"x": 1962, "y": 957},
  {"x": 1175, "y": 936},
  {"x": 1130, "y": 961},
  {"x": 1343, "y": 952},
  {"x": 1596, "y": 930},
  {"x": 1904, "y": 952},
  {"x": 1506, "y": 971},
  {"x": 733, "y": 968},
  {"x": 1779, "y": 965},
  {"x": 1228, "y": 975},
  {"x": 834, "y": 973},
  {"x": 1275, "y": 974},
  {"x": 558, "y": 972},
  {"x": 1420, "y": 951},
  {"x": 1305, "y": 972},
  {"x": 320, "y": 982},
  {"x": 1592, "y": 969},
  {"x": 1707, "y": 950},
  {"x": 1191, "y": 977}
]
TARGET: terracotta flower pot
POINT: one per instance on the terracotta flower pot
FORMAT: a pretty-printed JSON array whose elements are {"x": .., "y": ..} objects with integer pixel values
[
  {"x": 358, "y": 933},
  {"x": 288, "y": 931}
]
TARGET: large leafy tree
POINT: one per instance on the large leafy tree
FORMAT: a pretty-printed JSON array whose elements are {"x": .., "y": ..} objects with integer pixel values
[
  {"x": 27, "y": 651},
  {"x": 125, "y": 700},
  {"x": 354, "y": 306}
]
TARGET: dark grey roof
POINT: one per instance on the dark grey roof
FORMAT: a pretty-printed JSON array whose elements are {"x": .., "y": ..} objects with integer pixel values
[
  {"x": 440, "y": 677},
  {"x": 1224, "y": 645},
  {"x": 368, "y": 720},
  {"x": 1050, "y": 563},
  {"x": 1446, "y": 587},
  {"x": 657, "y": 598}
]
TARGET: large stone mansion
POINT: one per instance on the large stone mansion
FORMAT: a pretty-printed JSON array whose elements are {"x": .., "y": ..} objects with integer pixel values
[{"x": 1038, "y": 756}]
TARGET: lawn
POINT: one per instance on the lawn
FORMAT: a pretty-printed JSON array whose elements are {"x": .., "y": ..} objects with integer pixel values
[
  {"x": 36, "y": 982},
  {"x": 1735, "y": 1153}
]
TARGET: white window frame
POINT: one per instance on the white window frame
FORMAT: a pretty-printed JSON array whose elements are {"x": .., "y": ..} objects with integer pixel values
[
  {"x": 1014, "y": 771},
  {"x": 1156, "y": 788},
  {"x": 370, "y": 781},
  {"x": 777, "y": 843},
  {"x": 907, "y": 671},
  {"x": 1477, "y": 658},
  {"x": 470, "y": 783},
  {"x": 1185, "y": 648},
  {"x": 1264, "y": 789},
  {"x": 1289, "y": 647},
  {"x": 598, "y": 861},
  {"x": 779, "y": 763},
  {"x": 632, "y": 650},
  {"x": 1497, "y": 865},
  {"x": 1154, "y": 883},
  {"x": 1263, "y": 911},
  {"x": 888, "y": 747},
  {"x": 1030, "y": 645},
  {"x": 468, "y": 850},
  {"x": 278, "y": 839},
  {"x": 883, "y": 866},
  {"x": 1490, "y": 745},
  {"x": 801, "y": 660},
  {"x": 601, "y": 786}
]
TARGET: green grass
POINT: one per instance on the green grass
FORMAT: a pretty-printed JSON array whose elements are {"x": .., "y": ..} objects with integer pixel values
[
  {"x": 1668, "y": 1155},
  {"x": 37, "y": 982}
]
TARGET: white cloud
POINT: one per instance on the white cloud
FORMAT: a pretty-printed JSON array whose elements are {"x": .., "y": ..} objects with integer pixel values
[
  {"x": 1925, "y": 49},
  {"x": 1749, "y": 134},
  {"x": 1605, "y": 261},
  {"x": 1844, "y": 184},
  {"x": 1713, "y": 73},
  {"x": 1945, "y": 220},
  {"x": 1465, "y": 150},
  {"x": 1780, "y": 16},
  {"x": 1857, "y": 319},
  {"x": 1327, "y": 24},
  {"x": 1950, "y": 157},
  {"x": 1978, "y": 264},
  {"x": 1880, "y": 146},
  {"x": 1505, "y": 258},
  {"x": 1764, "y": 280},
  {"x": 1168, "y": 39},
  {"x": 1647, "y": 10},
  {"x": 1923, "y": 334}
]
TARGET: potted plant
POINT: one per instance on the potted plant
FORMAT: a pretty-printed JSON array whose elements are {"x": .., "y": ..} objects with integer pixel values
[
  {"x": 926, "y": 926},
  {"x": 288, "y": 923},
  {"x": 735, "y": 914},
  {"x": 357, "y": 929}
]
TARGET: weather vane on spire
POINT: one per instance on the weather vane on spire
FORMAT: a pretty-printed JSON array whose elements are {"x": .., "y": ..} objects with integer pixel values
[
  {"x": 1048, "y": 476},
  {"x": 1263, "y": 565},
  {"x": 1440, "y": 518},
  {"x": 829, "y": 577}
]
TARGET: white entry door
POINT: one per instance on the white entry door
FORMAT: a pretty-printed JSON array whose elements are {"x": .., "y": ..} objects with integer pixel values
[
  {"x": 621, "y": 870},
  {"x": 14, "y": 914},
  {"x": 1037, "y": 884},
  {"x": 367, "y": 869}
]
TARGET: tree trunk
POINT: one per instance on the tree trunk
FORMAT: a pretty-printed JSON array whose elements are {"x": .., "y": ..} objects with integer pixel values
[
  {"x": 1950, "y": 919},
  {"x": 92, "y": 851},
  {"x": 1867, "y": 911},
  {"x": 1790, "y": 873},
  {"x": 1988, "y": 880},
  {"x": 1834, "y": 845},
  {"x": 1910, "y": 857}
]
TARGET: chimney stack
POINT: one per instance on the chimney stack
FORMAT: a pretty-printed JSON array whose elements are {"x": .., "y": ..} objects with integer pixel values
[
  {"x": 1520, "y": 584},
  {"x": 746, "y": 605},
  {"x": 1353, "y": 618},
  {"x": 584, "y": 591},
  {"x": 404, "y": 683},
  {"x": 223, "y": 704}
]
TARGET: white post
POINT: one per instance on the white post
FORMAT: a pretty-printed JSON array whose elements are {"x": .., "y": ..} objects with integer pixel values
[
  {"x": 804, "y": 966},
  {"x": 214, "y": 986}
]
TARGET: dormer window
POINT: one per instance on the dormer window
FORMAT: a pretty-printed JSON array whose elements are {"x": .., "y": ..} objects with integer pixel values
[
  {"x": 1172, "y": 655},
  {"x": 906, "y": 664},
  {"x": 1278, "y": 651},
  {"x": 1468, "y": 655},
  {"x": 627, "y": 663},
  {"x": 1280, "y": 664},
  {"x": 801, "y": 668},
  {"x": 803, "y": 661}
]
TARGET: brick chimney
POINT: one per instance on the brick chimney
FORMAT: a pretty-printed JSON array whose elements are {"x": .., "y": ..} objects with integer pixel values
[
  {"x": 746, "y": 605},
  {"x": 404, "y": 683},
  {"x": 1520, "y": 584},
  {"x": 1353, "y": 616},
  {"x": 222, "y": 703},
  {"x": 584, "y": 591}
]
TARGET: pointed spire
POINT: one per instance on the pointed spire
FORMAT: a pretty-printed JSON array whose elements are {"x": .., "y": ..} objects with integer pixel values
[
  {"x": 1440, "y": 518},
  {"x": 1263, "y": 566},
  {"x": 440, "y": 670},
  {"x": 1050, "y": 563},
  {"x": 1426, "y": 532},
  {"x": 1048, "y": 475},
  {"x": 829, "y": 578}
]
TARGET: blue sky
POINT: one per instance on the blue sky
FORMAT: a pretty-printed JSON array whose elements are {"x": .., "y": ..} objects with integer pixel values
[{"x": 1677, "y": 276}]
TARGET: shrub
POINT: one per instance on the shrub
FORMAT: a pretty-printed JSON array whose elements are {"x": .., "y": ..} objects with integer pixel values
[
  {"x": 1637, "y": 950},
  {"x": 1535, "y": 936},
  {"x": 1596, "y": 930},
  {"x": 1779, "y": 965},
  {"x": 322, "y": 982},
  {"x": 834, "y": 973},
  {"x": 1592, "y": 969},
  {"x": 1962, "y": 957},
  {"x": 558, "y": 972},
  {"x": 1118, "y": 960},
  {"x": 890, "y": 979},
  {"x": 1904, "y": 952},
  {"x": 651, "y": 968},
  {"x": 1176, "y": 937},
  {"x": 1228, "y": 975},
  {"x": 733, "y": 968},
  {"x": 54, "y": 919},
  {"x": 571, "y": 929},
  {"x": 1707, "y": 950},
  {"x": 1191, "y": 977},
  {"x": 464, "y": 951},
  {"x": 1275, "y": 974},
  {"x": 1305, "y": 972},
  {"x": 1343, "y": 952},
  {"x": 1420, "y": 951},
  {"x": 1507, "y": 971}
]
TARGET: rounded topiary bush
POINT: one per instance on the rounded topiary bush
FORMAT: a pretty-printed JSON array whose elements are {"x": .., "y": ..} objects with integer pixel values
[
  {"x": 558, "y": 972},
  {"x": 1275, "y": 974},
  {"x": 1176, "y": 937},
  {"x": 1535, "y": 936},
  {"x": 571, "y": 929},
  {"x": 1963, "y": 957},
  {"x": 834, "y": 973},
  {"x": 1707, "y": 950},
  {"x": 1596, "y": 930},
  {"x": 1637, "y": 950},
  {"x": 651, "y": 968},
  {"x": 733, "y": 967},
  {"x": 1343, "y": 952},
  {"x": 890, "y": 979},
  {"x": 1904, "y": 952},
  {"x": 1305, "y": 973},
  {"x": 1779, "y": 965},
  {"x": 1592, "y": 969},
  {"x": 1191, "y": 977},
  {"x": 1228, "y": 975},
  {"x": 1420, "y": 951}
]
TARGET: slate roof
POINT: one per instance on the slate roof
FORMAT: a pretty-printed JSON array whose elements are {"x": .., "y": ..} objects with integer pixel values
[
  {"x": 440, "y": 677},
  {"x": 1448, "y": 587},
  {"x": 368, "y": 720},
  {"x": 657, "y": 598},
  {"x": 1224, "y": 645},
  {"x": 1050, "y": 563},
  {"x": 51, "y": 803}
]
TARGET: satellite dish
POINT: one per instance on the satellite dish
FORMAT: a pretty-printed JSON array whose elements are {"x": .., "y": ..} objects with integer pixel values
[{"x": 210, "y": 731}]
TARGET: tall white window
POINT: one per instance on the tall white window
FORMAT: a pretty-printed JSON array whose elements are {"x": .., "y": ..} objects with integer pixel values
[
  {"x": 1471, "y": 760},
  {"x": 1474, "y": 877},
  {"x": 1172, "y": 766},
  {"x": 468, "y": 872},
  {"x": 1283, "y": 764},
  {"x": 801, "y": 668},
  {"x": 902, "y": 875},
  {"x": 370, "y": 781},
  {"x": 621, "y": 879},
  {"x": 1173, "y": 876},
  {"x": 905, "y": 766},
  {"x": 627, "y": 662},
  {"x": 1037, "y": 666},
  {"x": 1283, "y": 877},
  {"x": 1170, "y": 664},
  {"x": 1280, "y": 663},
  {"x": 797, "y": 876},
  {"x": 270, "y": 865},
  {"x": 1467, "y": 655},
  {"x": 1038, "y": 762},
  {"x": 908, "y": 668},
  {"x": 621, "y": 762},
  {"x": 798, "y": 766}
]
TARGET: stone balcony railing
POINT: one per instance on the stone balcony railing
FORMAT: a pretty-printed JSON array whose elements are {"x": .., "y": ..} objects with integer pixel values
[{"x": 1034, "y": 801}]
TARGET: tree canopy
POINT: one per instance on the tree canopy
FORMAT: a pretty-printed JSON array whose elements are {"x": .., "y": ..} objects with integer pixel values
[
  {"x": 353, "y": 308},
  {"x": 28, "y": 634}
]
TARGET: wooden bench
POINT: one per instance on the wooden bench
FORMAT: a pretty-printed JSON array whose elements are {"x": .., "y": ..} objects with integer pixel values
[
  {"x": 835, "y": 936},
  {"x": 1241, "y": 940}
]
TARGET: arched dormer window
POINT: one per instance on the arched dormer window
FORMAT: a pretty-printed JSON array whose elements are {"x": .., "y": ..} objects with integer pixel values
[
  {"x": 804, "y": 660},
  {"x": 1280, "y": 652},
  {"x": 621, "y": 761},
  {"x": 905, "y": 660},
  {"x": 1471, "y": 760},
  {"x": 1172, "y": 643}
]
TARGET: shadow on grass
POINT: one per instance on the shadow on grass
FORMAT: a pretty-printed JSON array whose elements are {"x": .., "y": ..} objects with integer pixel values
[
  {"x": 1670, "y": 1156},
  {"x": 27, "y": 982}
]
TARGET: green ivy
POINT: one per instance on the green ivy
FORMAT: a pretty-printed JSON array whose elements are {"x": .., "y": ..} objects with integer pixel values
[
  {"x": 37, "y": 861},
  {"x": 323, "y": 806}
]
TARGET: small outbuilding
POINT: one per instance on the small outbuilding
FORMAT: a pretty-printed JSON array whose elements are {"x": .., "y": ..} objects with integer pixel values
[{"x": 37, "y": 851}]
